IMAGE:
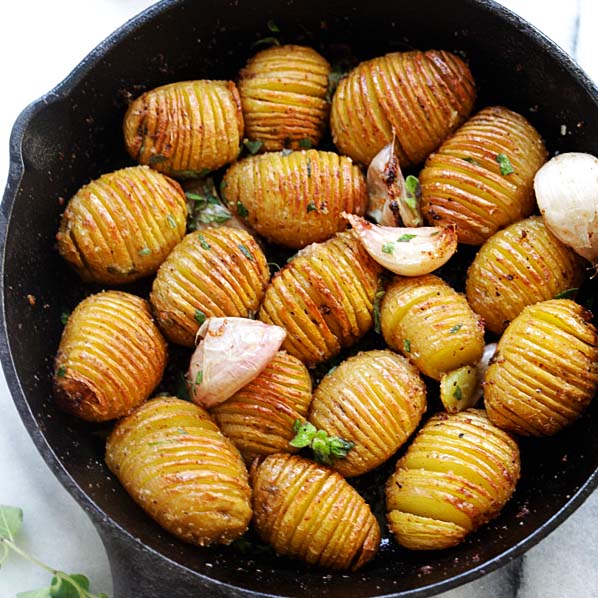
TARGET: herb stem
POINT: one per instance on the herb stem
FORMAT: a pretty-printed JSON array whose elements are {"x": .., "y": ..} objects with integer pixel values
[{"x": 8, "y": 544}]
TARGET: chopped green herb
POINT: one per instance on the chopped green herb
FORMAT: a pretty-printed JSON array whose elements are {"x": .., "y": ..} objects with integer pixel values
[
  {"x": 202, "y": 241},
  {"x": 199, "y": 377},
  {"x": 568, "y": 294},
  {"x": 407, "y": 345},
  {"x": 61, "y": 371},
  {"x": 64, "y": 317},
  {"x": 377, "y": 301},
  {"x": 144, "y": 251},
  {"x": 200, "y": 317},
  {"x": 304, "y": 434},
  {"x": 214, "y": 213},
  {"x": 458, "y": 394},
  {"x": 436, "y": 232},
  {"x": 253, "y": 146},
  {"x": 266, "y": 41},
  {"x": 273, "y": 27},
  {"x": 287, "y": 152},
  {"x": 472, "y": 161},
  {"x": 406, "y": 238},
  {"x": 195, "y": 196},
  {"x": 305, "y": 143},
  {"x": 158, "y": 443},
  {"x": 413, "y": 190},
  {"x": 157, "y": 159},
  {"x": 245, "y": 252},
  {"x": 242, "y": 210},
  {"x": 388, "y": 248},
  {"x": 456, "y": 328},
  {"x": 171, "y": 221},
  {"x": 325, "y": 448},
  {"x": 311, "y": 207},
  {"x": 505, "y": 164}
]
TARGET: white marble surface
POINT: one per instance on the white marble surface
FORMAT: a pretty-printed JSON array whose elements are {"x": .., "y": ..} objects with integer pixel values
[{"x": 40, "y": 42}]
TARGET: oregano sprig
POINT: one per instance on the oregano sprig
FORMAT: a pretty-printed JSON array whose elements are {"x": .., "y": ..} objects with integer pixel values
[{"x": 325, "y": 448}]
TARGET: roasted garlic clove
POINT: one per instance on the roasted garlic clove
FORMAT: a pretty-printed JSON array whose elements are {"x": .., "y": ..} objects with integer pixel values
[
  {"x": 481, "y": 179},
  {"x": 175, "y": 463},
  {"x": 295, "y": 198},
  {"x": 185, "y": 129},
  {"x": 545, "y": 371},
  {"x": 110, "y": 358},
  {"x": 121, "y": 227}
]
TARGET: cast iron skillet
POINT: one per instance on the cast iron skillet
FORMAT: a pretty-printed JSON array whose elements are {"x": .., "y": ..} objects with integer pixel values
[{"x": 73, "y": 134}]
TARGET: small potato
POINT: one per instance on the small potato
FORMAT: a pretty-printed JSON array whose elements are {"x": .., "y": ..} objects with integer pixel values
[
  {"x": 216, "y": 272},
  {"x": 295, "y": 199},
  {"x": 519, "y": 266},
  {"x": 481, "y": 179},
  {"x": 421, "y": 97},
  {"x": 185, "y": 129},
  {"x": 374, "y": 400},
  {"x": 259, "y": 418},
  {"x": 323, "y": 298},
  {"x": 457, "y": 474},
  {"x": 431, "y": 324},
  {"x": 283, "y": 94},
  {"x": 307, "y": 511},
  {"x": 121, "y": 227},
  {"x": 110, "y": 358},
  {"x": 545, "y": 370},
  {"x": 175, "y": 463}
]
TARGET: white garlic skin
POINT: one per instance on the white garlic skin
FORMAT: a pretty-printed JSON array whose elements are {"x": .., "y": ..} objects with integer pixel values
[{"x": 567, "y": 195}]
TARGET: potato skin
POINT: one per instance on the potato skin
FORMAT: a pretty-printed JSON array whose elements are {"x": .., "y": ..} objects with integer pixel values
[
  {"x": 431, "y": 324},
  {"x": 307, "y": 511},
  {"x": 110, "y": 358},
  {"x": 457, "y": 474},
  {"x": 174, "y": 462},
  {"x": 283, "y": 94},
  {"x": 422, "y": 96},
  {"x": 186, "y": 128},
  {"x": 121, "y": 227},
  {"x": 259, "y": 418},
  {"x": 295, "y": 199},
  {"x": 518, "y": 266},
  {"x": 323, "y": 298},
  {"x": 216, "y": 272},
  {"x": 545, "y": 370},
  {"x": 462, "y": 182},
  {"x": 373, "y": 399}
]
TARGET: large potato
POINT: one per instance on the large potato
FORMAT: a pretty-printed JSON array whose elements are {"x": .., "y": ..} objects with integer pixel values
[
  {"x": 481, "y": 179},
  {"x": 216, "y": 272},
  {"x": 374, "y": 400},
  {"x": 457, "y": 474},
  {"x": 323, "y": 298},
  {"x": 185, "y": 129},
  {"x": 309, "y": 512},
  {"x": 295, "y": 199},
  {"x": 545, "y": 371},
  {"x": 519, "y": 266},
  {"x": 175, "y": 463},
  {"x": 259, "y": 418},
  {"x": 431, "y": 324},
  {"x": 421, "y": 97},
  {"x": 110, "y": 358},
  {"x": 122, "y": 226},
  {"x": 283, "y": 94}
]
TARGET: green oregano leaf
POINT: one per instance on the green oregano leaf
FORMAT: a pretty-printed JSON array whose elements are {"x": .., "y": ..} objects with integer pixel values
[
  {"x": 199, "y": 377},
  {"x": 200, "y": 317},
  {"x": 388, "y": 248},
  {"x": 202, "y": 241},
  {"x": 242, "y": 210},
  {"x": 457, "y": 393},
  {"x": 253, "y": 146},
  {"x": 568, "y": 294},
  {"x": 245, "y": 252},
  {"x": 11, "y": 520},
  {"x": 407, "y": 345},
  {"x": 505, "y": 164},
  {"x": 304, "y": 434},
  {"x": 406, "y": 238}
]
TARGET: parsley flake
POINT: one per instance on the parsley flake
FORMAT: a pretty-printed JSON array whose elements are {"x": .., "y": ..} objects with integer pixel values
[
  {"x": 388, "y": 248},
  {"x": 144, "y": 251},
  {"x": 171, "y": 221},
  {"x": 456, "y": 328},
  {"x": 505, "y": 164},
  {"x": 311, "y": 207},
  {"x": 458, "y": 394},
  {"x": 245, "y": 252},
  {"x": 568, "y": 294},
  {"x": 199, "y": 377},
  {"x": 202, "y": 241},
  {"x": 406, "y": 238},
  {"x": 413, "y": 189},
  {"x": 61, "y": 371},
  {"x": 407, "y": 345},
  {"x": 200, "y": 317},
  {"x": 253, "y": 146},
  {"x": 242, "y": 210}
]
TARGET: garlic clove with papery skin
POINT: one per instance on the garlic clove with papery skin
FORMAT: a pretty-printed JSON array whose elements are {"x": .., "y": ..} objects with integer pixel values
[
  {"x": 406, "y": 251},
  {"x": 231, "y": 353},
  {"x": 567, "y": 195}
]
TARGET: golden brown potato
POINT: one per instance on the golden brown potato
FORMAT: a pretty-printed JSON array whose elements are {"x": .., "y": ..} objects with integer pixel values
[
  {"x": 295, "y": 199},
  {"x": 545, "y": 371},
  {"x": 519, "y": 266},
  {"x": 421, "y": 96},
  {"x": 374, "y": 400},
  {"x": 431, "y": 324},
  {"x": 323, "y": 298},
  {"x": 110, "y": 358},
  {"x": 216, "y": 272},
  {"x": 185, "y": 129},
  {"x": 175, "y": 463},
  {"x": 457, "y": 474},
  {"x": 309, "y": 512},
  {"x": 283, "y": 94},
  {"x": 481, "y": 179},
  {"x": 259, "y": 418},
  {"x": 121, "y": 227}
]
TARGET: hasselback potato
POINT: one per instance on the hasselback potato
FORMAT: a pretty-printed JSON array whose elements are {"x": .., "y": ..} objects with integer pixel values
[
  {"x": 457, "y": 474},
  {"x": 421, "y": 96},
  {"x": 185, "y": 129},
  {"x": 481, "y": 179},
  {"x": 283, "y": 93},
  {"x": 545, "y": 371},
  {"x": 175, "y": 463},
  {"x": 323, "y": 298},
  {"x": 216, "y": 272},
  {"x": 122, "y": 226},
  {"x": 519, "y": 266},
  {"x": 297, "y": 198},
  {"x": 259, "y": 418},
  {"x": 110, "y": 358},
  {"x": 374, "y": 400},
  {"x": 309, "y": 512},
  {"x": 431, "y": 324}
]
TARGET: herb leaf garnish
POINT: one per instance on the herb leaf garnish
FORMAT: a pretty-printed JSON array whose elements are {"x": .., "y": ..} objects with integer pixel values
[{"x": 325, "y": 448}]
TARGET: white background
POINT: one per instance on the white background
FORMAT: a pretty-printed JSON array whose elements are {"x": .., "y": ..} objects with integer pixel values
[{"x": 40, "y": 42}]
